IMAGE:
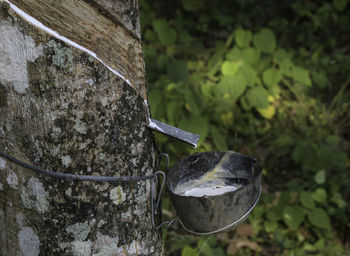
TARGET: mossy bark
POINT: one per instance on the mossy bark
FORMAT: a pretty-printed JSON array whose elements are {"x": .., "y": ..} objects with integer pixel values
[{"x": 62, "y": 110}]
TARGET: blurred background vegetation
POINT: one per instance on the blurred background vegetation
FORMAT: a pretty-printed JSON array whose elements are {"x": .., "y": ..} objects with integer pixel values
[{"x": 268, "y": 79}]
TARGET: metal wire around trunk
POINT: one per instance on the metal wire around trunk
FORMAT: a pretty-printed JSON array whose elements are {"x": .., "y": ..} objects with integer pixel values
[{"x": 70, "y": 176}]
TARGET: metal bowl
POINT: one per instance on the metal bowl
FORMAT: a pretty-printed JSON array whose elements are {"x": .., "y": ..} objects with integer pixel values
[{"x": 210, "y": 214}]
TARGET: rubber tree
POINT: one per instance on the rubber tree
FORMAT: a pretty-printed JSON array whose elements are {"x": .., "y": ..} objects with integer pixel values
[{"x": 76, "y": 108}]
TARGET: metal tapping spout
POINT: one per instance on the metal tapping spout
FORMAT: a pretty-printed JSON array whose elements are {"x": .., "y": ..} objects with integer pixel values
[{"x": 175, "y": 132}]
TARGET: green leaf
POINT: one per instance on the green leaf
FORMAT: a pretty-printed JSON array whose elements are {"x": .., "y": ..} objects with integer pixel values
[
  {"x": 172, "y": 110},
  {"x": 320, "y": 244},
  {"x": 284, "y": 141},
  {"x": 268, "y": 112},
  {"x": 154, "y": 99},
  {"x": 275, "y": 90},
  {"x": 284, "y": 200},
  {"x": 319, "y": 218},
  {"x": 320, "y": 78},
  {"x": 284, "y": 62},
  {"x": 268, "y": 198},
  {"x": 331, "y": 210},
  {"x": 230, "y": 39},
  {"x": 245, "y": 105},
  {"x": 204, "y": 248},
  {"x": 338, "y": 199},
  {"x": 249, "y": 74},
  {"x": 272, "y": 77},
  {"x": 181, "y": 243},
  {"x": 258, "y": 97},
  {"x": 218, "y": 251},
  {"x": 191, "y": 104},
  {"x": 333, "y": 140},
  {"x": 306, "y": 200},
  {"x": 243, "y": 37},
  {"x": 320, "y": 195},
  {"x": 219, "y": 139},
  {"x": 177, "y": 71},
  {"x": 294, "y": 185},
  {"x": 234, "y": 54},
  {"x": 265, "y": 40},
  {"x": 257, "y": 213},
  {"x": 301, "y": 75},
  {"x": 189, "y": 251},
  {"x": 238, "y": 85},
  {"x": 184, "y": 38},
  {"x": 230, "y": 68},
  {"x": 162, "y": 61},
  {"x": 234, "y": 86},
  {"x": 274, "y": 214},
  {"x": 286, "y": 67},
  {"x": 320, "y": 177},
  {"x": 293, "y": 216},
  {"x": 340, "y": 4},
  {"x": 166, "y": 35},
  {"x": 281, "y": 55},
  {"x": 192, "y": 5},
  {"x": 250, "y": 55},
  {"x": 303, "y": 152},
  {"x": 196, "y": 124},
  {"x": 270, "y": 226},
  {"x": 308, "y": 247},
  {"x": 150, "y": 35},
  {"x": 207, "y": 89}
]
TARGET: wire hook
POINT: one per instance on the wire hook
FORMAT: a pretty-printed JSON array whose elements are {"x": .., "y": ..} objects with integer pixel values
[{"x": 156, "y": 209}]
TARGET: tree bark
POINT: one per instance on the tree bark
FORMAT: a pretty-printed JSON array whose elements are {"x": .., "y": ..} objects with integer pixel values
[{"x": 63, "y": 110}]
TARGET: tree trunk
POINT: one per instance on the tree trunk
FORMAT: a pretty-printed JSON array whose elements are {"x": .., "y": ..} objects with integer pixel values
[{"x": 64, "y": 110}]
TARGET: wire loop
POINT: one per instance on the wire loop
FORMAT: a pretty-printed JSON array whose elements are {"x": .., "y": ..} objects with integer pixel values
[{"x": 156, "y": 209}]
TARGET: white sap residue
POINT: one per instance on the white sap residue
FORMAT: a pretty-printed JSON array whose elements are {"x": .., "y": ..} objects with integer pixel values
[
  {"x": 209, "y": 191},
  {"x": 154, "y": 126},
  {"x": 211, "y": 183}
]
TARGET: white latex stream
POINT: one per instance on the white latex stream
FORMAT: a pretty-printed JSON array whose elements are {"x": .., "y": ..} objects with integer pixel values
[{"x": 53, "y": 33}]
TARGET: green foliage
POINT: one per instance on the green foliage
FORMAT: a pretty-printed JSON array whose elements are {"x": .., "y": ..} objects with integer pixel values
[
  {"x": 166, "y": 35},
  {"x": 189, "y": 251},
  {"x": 243, "y": 37},
  {"x": 268, "y": 80},
  {"x": 257, "y": 97},
  {"x": 301, "y": 75},
  {"x": 272, "y": 77},
  {"x": 293, "y": 216},
  {"x": 265, "y": 40},
  {"x": 219, "y": 139},
  {"x": 306, "y": 200},
  {"x": 230, "y": 68},
  {"x": 320, "y": 177},
  {"x": 319, "y": 218},
  {"x": 320, "y": 195},
  {"x": 177, "y": 71}
]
